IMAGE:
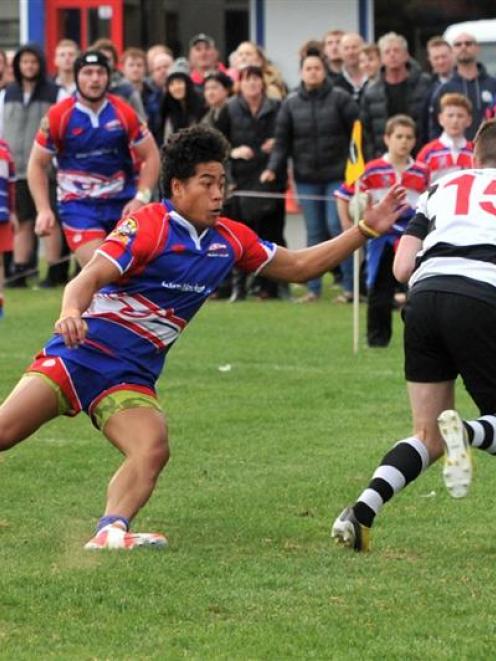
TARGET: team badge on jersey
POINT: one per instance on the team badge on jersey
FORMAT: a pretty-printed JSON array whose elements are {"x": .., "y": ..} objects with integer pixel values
[
  {"x": 128, "y": 227},
  {"x": 44, "y": 125}
]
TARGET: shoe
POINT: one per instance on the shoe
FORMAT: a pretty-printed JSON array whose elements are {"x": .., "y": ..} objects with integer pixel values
[
  {"x": 309, "y": 297},
  {"x": 113, "y": 537},
  {"x": 457, "y": 470},
  {"x": 346, "y": 530},
  {"x": 345, "y": 297}
]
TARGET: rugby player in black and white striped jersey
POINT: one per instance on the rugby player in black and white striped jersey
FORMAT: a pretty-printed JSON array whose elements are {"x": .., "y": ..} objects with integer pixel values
[{"x": 448, "y": 257}]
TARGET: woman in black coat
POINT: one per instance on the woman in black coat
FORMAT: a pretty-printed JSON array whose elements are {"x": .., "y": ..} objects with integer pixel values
[
  {"x": 248, "y": 122},
  {"x": 182, "y": 106}
]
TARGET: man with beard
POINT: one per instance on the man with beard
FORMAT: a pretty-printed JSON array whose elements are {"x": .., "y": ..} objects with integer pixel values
[
  {"x": 470, "y": 79},
  {"x": 102, "y": 147},
  {"x": 23, "y": 103}
]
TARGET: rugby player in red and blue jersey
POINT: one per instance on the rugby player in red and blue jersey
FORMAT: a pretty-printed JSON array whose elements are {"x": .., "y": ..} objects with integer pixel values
[
  {"x": 102, "y": 149},
  {"x": 129, "y": 304}
]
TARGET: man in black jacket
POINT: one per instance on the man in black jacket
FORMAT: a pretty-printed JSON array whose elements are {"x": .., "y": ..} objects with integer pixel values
[
  {"x": 313, "y": 128},
  {"x": 401, "y": 89}
]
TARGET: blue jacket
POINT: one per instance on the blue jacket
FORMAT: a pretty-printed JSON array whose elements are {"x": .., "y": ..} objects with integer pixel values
[{"x": 481, "y": 91}]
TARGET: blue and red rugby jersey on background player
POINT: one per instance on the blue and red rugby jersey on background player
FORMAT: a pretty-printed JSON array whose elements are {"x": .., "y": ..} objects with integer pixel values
[
  {"x": 96, "y": 174},
  {"x": 377, "y": 179},
  {"x": 443, "y": 156},
  {"x": 7, "y": 185},
  {"x": 168, "y": 272}
]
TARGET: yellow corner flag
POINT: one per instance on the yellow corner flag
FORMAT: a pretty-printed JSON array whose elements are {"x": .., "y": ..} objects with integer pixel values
[{"x": 355, "y": 164}]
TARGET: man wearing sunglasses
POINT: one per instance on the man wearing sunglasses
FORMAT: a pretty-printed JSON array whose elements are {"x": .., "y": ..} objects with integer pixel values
[{"x": 472, "y": 80}]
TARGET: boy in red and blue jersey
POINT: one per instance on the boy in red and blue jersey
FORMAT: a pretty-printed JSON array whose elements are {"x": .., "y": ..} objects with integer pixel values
[
  {"x": 395, "y": 167},
  {"x": 7, "y": 211},
  {"x": 128, "y": 306},
  {"x": 101, "y": 148},
  {"x": 451, "y": 151}
]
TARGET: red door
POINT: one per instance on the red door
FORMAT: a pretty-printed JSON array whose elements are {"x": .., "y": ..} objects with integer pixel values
[{"x": 84, "y": 21}]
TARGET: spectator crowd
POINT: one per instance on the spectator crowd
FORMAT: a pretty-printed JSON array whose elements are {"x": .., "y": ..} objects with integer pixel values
[{"x": 117, "y": 111}]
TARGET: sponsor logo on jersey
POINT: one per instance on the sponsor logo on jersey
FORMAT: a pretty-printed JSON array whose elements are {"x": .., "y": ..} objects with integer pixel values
[
  {"x": 184, "y": 286},
  {"x": 77, "y": 131},
  {"x": 217, "y": 250},
  {"x": 113, "y": 125}
]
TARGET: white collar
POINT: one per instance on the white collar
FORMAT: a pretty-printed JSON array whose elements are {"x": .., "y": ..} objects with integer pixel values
[
  {"x": 94, "y": 116},
  {"x": 387, "y": 158},
  {"x": 189, "y": 227},
  {"x": 454, "y": 144}
]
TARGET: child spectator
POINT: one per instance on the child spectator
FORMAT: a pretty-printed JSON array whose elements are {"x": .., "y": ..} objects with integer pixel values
[
  {"x": 451, "y": 151},
  {"x": 396, "y": 166},
  {"x": 7, "y": 207}
]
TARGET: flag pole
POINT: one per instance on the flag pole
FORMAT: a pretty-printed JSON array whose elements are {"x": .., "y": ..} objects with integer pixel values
[
  {"x": 356, "y": 274},
  {"x": 355, "y": 167}
]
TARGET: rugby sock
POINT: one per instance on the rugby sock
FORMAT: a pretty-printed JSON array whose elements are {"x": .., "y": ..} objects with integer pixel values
[
  {"x": 401, "y": 465},
  {"x": 481, "y": 433},
  {"x": 1, "y": 306},
  {"x": 111, "y": 519}
]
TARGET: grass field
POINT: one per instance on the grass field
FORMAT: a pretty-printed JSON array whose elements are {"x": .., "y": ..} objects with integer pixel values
[{"x": 264, "y": 456}]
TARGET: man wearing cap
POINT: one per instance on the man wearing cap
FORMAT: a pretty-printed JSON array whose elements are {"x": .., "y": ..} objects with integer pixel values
[
  {"x": 203, "y": 59},
  {"x": 102, "y": 148}
]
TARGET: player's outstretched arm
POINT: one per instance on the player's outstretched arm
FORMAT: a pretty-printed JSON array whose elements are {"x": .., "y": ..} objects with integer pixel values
[
  {"x": 302, "y": 265},
  {"x": 77, "y": 297},
  {"x": 404, "y": 259}
]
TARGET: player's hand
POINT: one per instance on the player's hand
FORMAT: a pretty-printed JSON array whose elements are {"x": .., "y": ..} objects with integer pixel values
[
  {"x": 72, "y": 327},
  {"x": 382, "y": 215},
  {"x": 131, "y": 206},
  {"x": 267, "y": 176},
  {"x": 268, "y": 145},
  {"x": 45, "y": 222},
  {"x": 14, "y": 221},
  {"x": 244, "y": 152}
]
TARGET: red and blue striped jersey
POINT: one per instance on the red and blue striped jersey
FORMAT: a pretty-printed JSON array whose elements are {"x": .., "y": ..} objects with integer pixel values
[
  {"x": 93, "y": 150},
  {"x": 168, "y": 271},
  {"x": 380, "y": 175},
  {"x": 442, "y": 157}
]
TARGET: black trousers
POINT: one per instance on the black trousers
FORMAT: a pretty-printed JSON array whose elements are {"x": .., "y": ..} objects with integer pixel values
[{"x": 381, "y": 302}]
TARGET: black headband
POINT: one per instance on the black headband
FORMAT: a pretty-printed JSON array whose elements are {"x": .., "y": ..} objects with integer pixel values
[{"x": 91, "y": 58}]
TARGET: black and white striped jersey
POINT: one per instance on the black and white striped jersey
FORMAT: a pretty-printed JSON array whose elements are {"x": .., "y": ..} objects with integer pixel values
[{"x": 456, "y": 220}]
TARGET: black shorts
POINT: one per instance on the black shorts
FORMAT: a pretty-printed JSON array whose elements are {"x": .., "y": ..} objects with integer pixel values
[
  {"x": 447, "y": 335},
  {"x": 25, "y": 207}
]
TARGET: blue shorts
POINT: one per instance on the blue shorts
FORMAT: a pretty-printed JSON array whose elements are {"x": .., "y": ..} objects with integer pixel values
[
  {"x": 83, "y": 222},
  {"x": 89, "y": 377}
]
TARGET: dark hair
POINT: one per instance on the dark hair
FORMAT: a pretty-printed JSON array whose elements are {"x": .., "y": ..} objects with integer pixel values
[
  {"x": 251, "y": 70},
  {"x": 485, "y": 143},
  {"x": 222, "y": 78},
  {"x": 312, "y": 51},
  {"x": 188, "y": 148}
]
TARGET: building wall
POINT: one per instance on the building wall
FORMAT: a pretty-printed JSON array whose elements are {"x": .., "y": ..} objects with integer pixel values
[
  {"x": 9, "y": 23},
  {"x": 289, "y": 23}
]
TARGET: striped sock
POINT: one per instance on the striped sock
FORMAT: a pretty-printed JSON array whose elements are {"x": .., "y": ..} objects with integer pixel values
[
  {"x": 401, "y": 465},
  {"x": 481, "y": 433}
]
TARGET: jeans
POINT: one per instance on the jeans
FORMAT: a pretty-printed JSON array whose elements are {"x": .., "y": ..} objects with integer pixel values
[{"x": 322, "y": 223}]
